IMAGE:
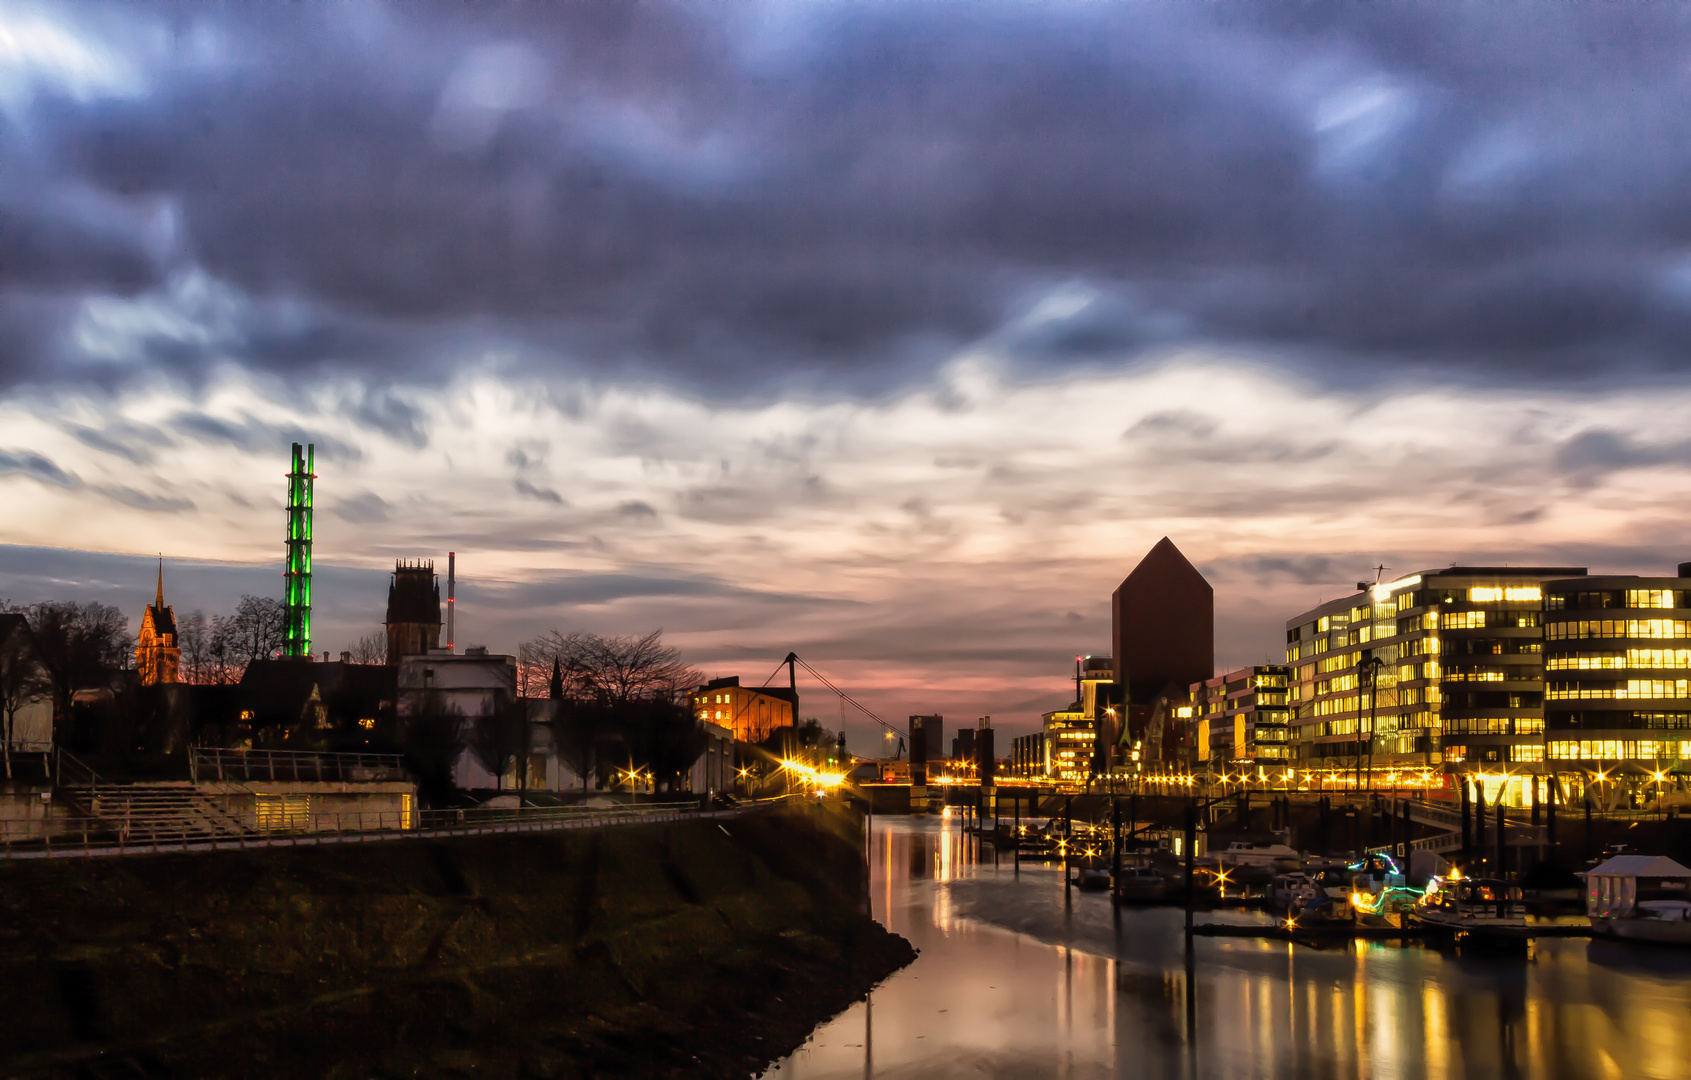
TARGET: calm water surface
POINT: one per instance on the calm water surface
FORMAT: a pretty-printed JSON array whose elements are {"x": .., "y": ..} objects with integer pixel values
[{"x": 1018, "y": 979}]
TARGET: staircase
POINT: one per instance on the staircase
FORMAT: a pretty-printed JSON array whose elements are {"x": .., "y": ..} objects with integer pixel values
[{"x": 149, "y": 811}]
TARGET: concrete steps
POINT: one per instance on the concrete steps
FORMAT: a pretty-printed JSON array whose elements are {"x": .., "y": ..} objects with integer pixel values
[{"x": 155, "y": 810}]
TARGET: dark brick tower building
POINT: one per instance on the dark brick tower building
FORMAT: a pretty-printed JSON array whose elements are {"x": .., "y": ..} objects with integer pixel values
[
  {"x": 1162, "y": 622},
  {"x": 413, "y": 620}
]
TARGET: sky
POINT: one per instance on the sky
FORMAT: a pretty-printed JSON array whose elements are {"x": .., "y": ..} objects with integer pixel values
[{"x": 892, "y": 334}]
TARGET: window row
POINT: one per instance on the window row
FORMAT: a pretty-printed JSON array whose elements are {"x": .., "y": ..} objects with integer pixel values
[
  {"x": 1632, "y": 688},
  {"x": 1618, "y": 628},
  {"x": 1618, "y": 749},
  {"x": 1491, "y": 725},
  {"x": 1632, "y": 658},
  {"x": 1617, "y": 598}
]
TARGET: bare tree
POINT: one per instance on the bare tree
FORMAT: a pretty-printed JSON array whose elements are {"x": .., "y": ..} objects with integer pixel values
[
  {"x": 255, "y": 630},
  {"x": 499, "y": 739},
  {"x": 193, "y": 637},
  {"x": 80, "y": 645},
  {"x": 22, "y": 682},
  {"x": 372, "y": 648},
  {"x": 617, "y": 669}
]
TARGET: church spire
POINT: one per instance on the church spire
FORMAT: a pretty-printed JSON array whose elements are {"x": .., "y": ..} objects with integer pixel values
[{"x": 159, "y": 602}]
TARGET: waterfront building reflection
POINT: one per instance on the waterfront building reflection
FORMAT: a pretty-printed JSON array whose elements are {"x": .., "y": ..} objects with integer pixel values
[{"x": 1020, "y": 977}]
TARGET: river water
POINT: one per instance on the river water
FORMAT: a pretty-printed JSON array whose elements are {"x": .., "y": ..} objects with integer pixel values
[{"x": 1020, "y": 978}]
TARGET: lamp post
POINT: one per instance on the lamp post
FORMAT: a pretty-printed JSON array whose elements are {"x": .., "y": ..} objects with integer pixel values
[{"x": 1371, "y": 664}]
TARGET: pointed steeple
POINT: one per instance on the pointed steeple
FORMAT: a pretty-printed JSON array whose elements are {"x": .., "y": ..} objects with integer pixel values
[
  {"x": 557, "y": 687},
  {"x": 159, "y": 602}
]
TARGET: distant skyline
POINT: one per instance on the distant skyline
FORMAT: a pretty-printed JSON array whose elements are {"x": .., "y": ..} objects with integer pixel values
[{"x": 890, "y": 333}]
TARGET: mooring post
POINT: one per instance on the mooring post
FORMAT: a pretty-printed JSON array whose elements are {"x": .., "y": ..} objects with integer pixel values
[
  {"x": 1502, "y": 839},
  {"x": 1191, "y": 887},
  {"x": 1115, "y": 842}
]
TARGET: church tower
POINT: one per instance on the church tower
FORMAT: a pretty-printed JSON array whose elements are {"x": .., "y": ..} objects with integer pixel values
[{"x": 157, "y": 658}]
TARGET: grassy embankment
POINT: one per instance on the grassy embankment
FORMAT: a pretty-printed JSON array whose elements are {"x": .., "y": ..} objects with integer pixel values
[{"x": 661, "y": 950}]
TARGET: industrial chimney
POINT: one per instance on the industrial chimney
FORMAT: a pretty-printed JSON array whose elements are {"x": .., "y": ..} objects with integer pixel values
[{"x": 451, "y": 594}]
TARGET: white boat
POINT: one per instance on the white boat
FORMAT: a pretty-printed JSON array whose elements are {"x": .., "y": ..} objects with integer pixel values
[
  {"x": 1640, "y": 898},
  {"x": 1293, "y": 889},
  {"x": 1251, "y": 853}
]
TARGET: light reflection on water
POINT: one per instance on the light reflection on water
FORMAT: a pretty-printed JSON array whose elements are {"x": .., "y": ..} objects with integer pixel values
[{"x": 1018, "y": 978}]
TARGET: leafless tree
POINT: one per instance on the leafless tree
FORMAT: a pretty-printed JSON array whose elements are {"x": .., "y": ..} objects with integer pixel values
[
  {"x": 617, "y": 669},
  {"x": 502, "y": 738},
  {"x": 80, "y": 645},
  {"x": 193, "y": 636},
  {"x": 254, "y": 632},
  {"x": 372, "y": 648},
  {"x": 22, "y": 681}
]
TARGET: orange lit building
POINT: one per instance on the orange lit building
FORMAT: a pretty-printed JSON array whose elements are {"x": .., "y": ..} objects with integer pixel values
[
  {"x": 157, "y": 658},
  {"x": 751, "y": 714}
]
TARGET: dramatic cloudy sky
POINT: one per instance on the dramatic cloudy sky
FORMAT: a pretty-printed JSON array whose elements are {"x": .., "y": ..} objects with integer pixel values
[{"x": 892, "y": 333}]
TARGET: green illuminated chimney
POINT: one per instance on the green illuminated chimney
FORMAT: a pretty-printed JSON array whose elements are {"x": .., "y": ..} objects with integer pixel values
[{"x": 296, "y": 639}]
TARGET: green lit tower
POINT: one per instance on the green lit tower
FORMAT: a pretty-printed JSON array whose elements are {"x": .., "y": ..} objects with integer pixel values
[{"x": 296, "y": 637}]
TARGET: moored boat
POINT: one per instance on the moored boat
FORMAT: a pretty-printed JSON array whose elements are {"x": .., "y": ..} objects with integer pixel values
[
  {"x": 1140, "y": 885},
  {"x": 1480, "y": 907}
]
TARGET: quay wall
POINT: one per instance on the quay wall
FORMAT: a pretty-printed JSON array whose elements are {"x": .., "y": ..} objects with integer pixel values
[{"x": 701, "y": 948}]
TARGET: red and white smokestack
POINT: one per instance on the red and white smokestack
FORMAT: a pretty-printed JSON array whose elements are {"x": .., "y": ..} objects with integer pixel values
[{"x": 451, "y": 590}]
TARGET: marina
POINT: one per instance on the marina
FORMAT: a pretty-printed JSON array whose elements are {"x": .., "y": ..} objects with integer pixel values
[{"x": 1018, "y": 976}]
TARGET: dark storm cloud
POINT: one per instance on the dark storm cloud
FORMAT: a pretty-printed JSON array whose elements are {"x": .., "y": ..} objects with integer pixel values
[{"x": 748, "y": 198}]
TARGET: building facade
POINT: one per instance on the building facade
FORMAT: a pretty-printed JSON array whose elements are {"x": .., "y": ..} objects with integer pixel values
[
  {"x": 158, "y": 660},
  {"x": 1444, "y": 667},
  {"x": 753, "y": 715},
  {"x": 1617, "y": 672},
  {"x": 1242, "y": 718}
]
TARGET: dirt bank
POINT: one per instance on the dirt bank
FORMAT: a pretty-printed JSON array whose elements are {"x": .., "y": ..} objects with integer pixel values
[{"x": 695, "y": 949}]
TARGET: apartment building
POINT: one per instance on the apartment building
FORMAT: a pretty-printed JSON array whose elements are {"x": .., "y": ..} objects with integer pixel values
[{"x": 1242, "y": 718}]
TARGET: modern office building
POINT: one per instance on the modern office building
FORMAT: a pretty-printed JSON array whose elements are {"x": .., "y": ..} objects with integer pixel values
[
  {"x": 1242, "y": 719},
  {"x": 1441, "y": 667},
  {"x": 1162, "y": 626},
  {"x": 1617, "y": 671},
  {"x": 1069, "y": 741}
]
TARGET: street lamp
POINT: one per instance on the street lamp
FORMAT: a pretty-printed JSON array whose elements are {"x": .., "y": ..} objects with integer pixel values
[{"x": 1371, "y": 664}]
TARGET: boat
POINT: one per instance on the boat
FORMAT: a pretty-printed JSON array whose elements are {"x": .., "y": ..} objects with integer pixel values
[
  {"x": 1477, "y": 907},
  {"x": 1253, "y": 853},
  {"x": 1640, "y": 898},
  {"x": 1292, "y": 890},
  {"x": 1092, "y": 878},
  {"x": 1140, "y": 885}
]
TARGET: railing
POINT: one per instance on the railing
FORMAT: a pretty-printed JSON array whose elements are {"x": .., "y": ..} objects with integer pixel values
[
  {"x": 91, "y": 836},
  {"x": 211, "y": 763}
]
